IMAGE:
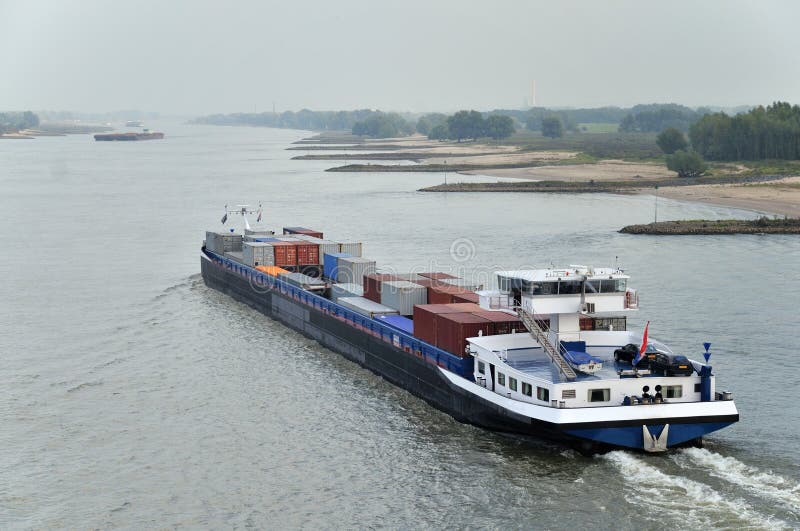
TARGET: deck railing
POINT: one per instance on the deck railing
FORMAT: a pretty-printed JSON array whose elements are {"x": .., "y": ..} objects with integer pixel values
[{"x": 554, "y": 353}]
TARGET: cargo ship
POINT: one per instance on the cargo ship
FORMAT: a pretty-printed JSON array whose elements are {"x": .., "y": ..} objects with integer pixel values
[
  {"x": 127, "y": 137},
  {"x": 546, "y": 353}
]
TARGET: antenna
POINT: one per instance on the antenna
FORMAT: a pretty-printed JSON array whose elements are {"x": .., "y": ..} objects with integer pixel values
[{"x": 241, "y": 210}]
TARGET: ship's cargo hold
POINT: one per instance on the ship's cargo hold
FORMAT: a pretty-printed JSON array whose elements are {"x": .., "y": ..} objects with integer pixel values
[
  {"x": 404, "y": 324},
  {"x": 346, "y": 290},
  {"x": 325, "y": 246},
  {"x": 462, "y": 283},
  {"x": 259, "y": 232},
  {"x": 366, "y": 306},
  {"x": 443, "y": 293},
  {"x": 331, "y": 264},
  {"x": 502, "y": 323},
  {"x": 273, "y": 271},
  {"x": 436, "y": 275},
  {"x": 221, "y": 242},
  {"x": 453, "y": 329},
  {"x": 354, "y": 248},
  {"x": 372, "y": 285},
  {"x": 352, "y": 269},
  {"x": 304, "y": 281},
  {"x": 403, "y": 295},
  {"x": 469, "y": 296},
  {"x": 258, "y": 253},
  {"x": 236, "y": 256},
  {"x": 285, "y": 253},
  {"x": 302, "y": 230},
  {"x": 425, "y": 318}
]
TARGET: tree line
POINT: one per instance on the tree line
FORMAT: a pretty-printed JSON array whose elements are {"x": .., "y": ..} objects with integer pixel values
[
  {"x": 304, "y": 119},
  {"x": 465, "y": 125},
  {"x": 771, "y": 132},
  {"x": 654, "y": 118},
  {"x": 11, "y": 122}
]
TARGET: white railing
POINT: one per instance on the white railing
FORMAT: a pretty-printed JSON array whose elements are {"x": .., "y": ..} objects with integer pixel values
[{"x": 538, "y": 334}]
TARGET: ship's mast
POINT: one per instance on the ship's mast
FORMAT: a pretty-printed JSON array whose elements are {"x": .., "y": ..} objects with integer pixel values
[{"x": 241, "y": 210}]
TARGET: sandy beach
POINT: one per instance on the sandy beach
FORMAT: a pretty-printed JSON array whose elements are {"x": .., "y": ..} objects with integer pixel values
[{"x": 779, "y": 197}]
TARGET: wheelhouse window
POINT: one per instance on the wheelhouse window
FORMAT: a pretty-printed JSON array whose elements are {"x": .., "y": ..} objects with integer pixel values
[
  {"x": 512, "y": 383},
  {"x": 617, "y": 285},
  {"x": 527, "y": 389},
  {"x": 501, "y": 378},
  {"x": 673, "y": 391},
  {"x": 570, "y": 287},
  {"x": 481, "y": 367},
  {"x": 599, "y": 395},
  {"x": 543, "y": 394}
]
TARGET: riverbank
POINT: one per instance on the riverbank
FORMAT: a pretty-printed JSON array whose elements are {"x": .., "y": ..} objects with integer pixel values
[{"x": 762, "y": 225}]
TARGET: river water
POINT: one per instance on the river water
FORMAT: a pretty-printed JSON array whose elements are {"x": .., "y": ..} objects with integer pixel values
[{"x": 135, "y": 397}]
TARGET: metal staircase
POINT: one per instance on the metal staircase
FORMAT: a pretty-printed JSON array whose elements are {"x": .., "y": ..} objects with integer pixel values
[{"x": 541, "y": 338}]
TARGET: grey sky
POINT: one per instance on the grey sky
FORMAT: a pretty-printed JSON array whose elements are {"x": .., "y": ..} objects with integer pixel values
[{"x": 214, "y": 56}]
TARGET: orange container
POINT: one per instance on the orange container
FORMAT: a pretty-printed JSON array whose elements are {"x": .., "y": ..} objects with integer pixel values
[{"x": 272, "y": 270}]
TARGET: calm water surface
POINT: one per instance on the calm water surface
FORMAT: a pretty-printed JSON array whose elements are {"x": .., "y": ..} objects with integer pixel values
[{"x": 133, "y": 396}]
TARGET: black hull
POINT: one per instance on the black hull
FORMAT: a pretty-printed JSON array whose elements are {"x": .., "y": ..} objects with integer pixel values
[{"x": 397, "y": 366}]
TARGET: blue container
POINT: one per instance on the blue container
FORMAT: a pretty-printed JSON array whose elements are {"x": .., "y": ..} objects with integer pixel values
[
  {"x": 331, "y": 263},
  {"x": 404, "y": 324}
]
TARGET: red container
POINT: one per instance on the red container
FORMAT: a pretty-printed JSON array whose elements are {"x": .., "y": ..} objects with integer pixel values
[
  {"x": 443, "y": 293},
  {"x": 586, "y": 323},
  {"x": 302, "y": 230},
  {"x": 307, "y": 254},
  {"x": 453, "y": 329},
  {"x": 285, "y": 253},
  {"x": 469, "y": 296},
  {"x": 425, "y": 318},
  {"x": 372, "y": 285},
  {"x": 502, "y": 323},
  {"x": 427, "y": 282},
  {"x": 436, "y": 275}
]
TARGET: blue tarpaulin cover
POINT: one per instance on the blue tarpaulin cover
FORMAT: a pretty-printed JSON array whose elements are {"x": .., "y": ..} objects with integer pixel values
[
  {"x": 580, "y": 358},
  {"x": 404, "y": 324}
]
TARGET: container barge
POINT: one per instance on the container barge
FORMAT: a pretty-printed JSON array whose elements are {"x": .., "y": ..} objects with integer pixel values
[
  {"x": 128, "y": 137},
  {"x": 547, "y": 354}
]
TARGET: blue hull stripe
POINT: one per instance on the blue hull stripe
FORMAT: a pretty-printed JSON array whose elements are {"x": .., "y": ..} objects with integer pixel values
[{"x": 631, "y": 436}]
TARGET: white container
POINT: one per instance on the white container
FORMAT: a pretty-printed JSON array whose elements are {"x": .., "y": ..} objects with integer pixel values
[
  {"x": 346, "y": 290},
  {"x": 495, "y": 300},
  {"x": 259, "y": 233},
  {"x": 351, "y": 270},
  {"x": 353, "y": 248},
  {"x": 366, "y": 306},
  {"x": 220, "y": 242},
  {"x": 402, "y": 295},
  {"x": 238, "y": 257},
  {"x": 258, "y": 253}
]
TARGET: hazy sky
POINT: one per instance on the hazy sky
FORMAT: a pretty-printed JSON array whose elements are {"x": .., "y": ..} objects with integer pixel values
[{"x": 197, "y": 57}]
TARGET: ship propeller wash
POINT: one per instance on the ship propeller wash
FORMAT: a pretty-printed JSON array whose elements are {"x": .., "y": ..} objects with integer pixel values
[{"x": 547, "y": 353}]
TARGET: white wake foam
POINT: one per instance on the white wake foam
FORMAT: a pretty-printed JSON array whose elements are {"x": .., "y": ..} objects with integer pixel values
[
  {"x": 762, "y": 484},
  {"x": 695, "y": 503}
]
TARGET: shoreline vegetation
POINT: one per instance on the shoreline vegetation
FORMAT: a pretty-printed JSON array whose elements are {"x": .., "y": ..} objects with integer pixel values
[{"x": 762, "y": 225}]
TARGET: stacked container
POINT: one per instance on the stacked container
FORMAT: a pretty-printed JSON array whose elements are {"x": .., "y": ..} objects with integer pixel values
[
  {"x": 285, "y": 253},
  {"x": 468, "y": 296},
  {"x": 345, "y": 290},
  {"x": 436, "y": 275},
  {"x": 445, "y": 293},
  {"x": 352, "y": 269},
  {"x": 258, "y": 232},
  {"x": 258, "y": 253},
  {"x": 462, "y": 283},
  {"x": 221, "y": 242},
  {"x": 330, "y": 263},
  {"x": 453, "y": 329},
  {"x": 502, "y": 323},
  {"x": 425, "y": 318},
  {"x": 353, "y": 248},
  {"x": 302, "y": 230},
  {"x": 325, "y": 246},
  {"x": 366, "y": 306},
  {"x": 403, "y": 295},
  {"x": 372, "y": 285}
]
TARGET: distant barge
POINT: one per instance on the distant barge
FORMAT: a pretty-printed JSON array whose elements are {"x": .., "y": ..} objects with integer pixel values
[{"x": 109, "y": 137}]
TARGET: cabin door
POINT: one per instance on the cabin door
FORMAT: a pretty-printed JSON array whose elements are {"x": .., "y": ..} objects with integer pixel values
[
  {"x": 516, "y": 293},
  {"x": 491, "y": 373}
]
